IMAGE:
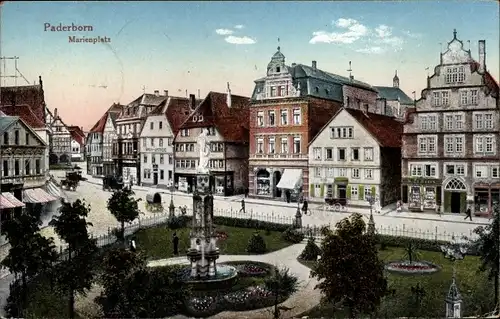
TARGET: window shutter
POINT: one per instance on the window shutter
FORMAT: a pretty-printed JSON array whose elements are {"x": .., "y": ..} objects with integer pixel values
[{"x": 348, "y": 192}]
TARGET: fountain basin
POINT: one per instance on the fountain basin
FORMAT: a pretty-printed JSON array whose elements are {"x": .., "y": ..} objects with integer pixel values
[{"x": 225, "y": 277}]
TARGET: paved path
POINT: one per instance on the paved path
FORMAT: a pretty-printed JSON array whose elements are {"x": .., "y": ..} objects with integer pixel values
[{"x": 303, "y": 300}]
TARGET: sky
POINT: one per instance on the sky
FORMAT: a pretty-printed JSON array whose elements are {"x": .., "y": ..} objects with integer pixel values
[{"x": 200, "y": 46}]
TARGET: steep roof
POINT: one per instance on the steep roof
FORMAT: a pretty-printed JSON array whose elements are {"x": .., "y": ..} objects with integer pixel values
[
  {"x": 178, "y": 111},
  {"x": 6, "y": 121},
  {"x": 136, "y": 107},
  {"x": 77, "y": 137},
  {"x": 31, "y": 95},
  {"x": 385, "y": 129},
  {"x": 231, "y": 122},
  {"x": 113, "y": 112},
  {"x": 76, "y": 129},
  {"x": 25, "y": 112},
  {"x": 391, "y": 93},
  {"x": 330, "y": 77}
]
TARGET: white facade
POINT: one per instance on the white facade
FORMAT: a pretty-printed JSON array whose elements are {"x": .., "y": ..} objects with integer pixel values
[
  {"x": 95, "y": 146},
  {"x": 344, "y": 162},
  {"x": 76, "y": 151},
  {"x": 157, "y": 154}
]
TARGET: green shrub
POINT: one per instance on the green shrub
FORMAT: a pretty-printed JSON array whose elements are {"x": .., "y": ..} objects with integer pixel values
[
  {"x": 249, "y": 223},
  {"x": 256, "y": 244},
  {"x": 423, "y": 244},
  {"x": 292, "y": 235},
  {"x": 311, "y": 251},
  {"x": 177, "y": 222}
]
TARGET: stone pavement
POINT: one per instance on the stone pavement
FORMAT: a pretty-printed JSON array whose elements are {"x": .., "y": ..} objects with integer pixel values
[{"x": 304, "y": 299}]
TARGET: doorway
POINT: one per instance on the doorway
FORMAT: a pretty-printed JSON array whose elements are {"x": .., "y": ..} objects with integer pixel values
[
  {"x": 277, "y": 177},
  {"x": 455, "y": 202},
  {"x": 342, "y": 191},
  {"x": 155, "y": 178}
]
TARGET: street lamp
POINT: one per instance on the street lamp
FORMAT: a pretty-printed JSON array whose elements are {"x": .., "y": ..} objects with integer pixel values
[
  {"x": 371, "y": 223},
  {"x": 454, "y": 251},
  {"x": 298, "y": 214},
  {"x": 171, "y": 207}
]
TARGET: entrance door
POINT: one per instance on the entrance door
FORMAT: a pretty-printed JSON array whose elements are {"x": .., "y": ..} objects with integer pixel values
[
  {"x": 155, "y": 178},
  {"x": 455, "y": 202},
  {"x": 341, "y": 190},
  {"x": 277, "y": 177}
]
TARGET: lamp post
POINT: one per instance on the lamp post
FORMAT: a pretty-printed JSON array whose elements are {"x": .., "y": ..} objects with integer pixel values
[
  {"x": 298, "y": 214},
  {"x": 171, "y": 207},
  {"x": 371, "y": 223},
  {"x": 454, "y": 251}
]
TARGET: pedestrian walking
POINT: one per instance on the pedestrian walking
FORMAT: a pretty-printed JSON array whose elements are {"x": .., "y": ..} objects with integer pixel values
[
  {"x": 175, "y": 241},
  {"x": 242, "y": 209},
  {"x": 305, "y": 206},
  {"x": 468, "y": 214}
]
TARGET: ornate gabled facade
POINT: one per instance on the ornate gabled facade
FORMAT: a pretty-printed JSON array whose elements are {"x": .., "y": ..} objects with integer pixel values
[
  {"x": 128, "y": 126},
  {"x": 61, "y": 141},
  {"x": 289, "y": 107},
  {"x": 451, "y": 155}
]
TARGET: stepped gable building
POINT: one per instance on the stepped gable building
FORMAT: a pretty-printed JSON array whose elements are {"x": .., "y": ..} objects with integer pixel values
[
  {"x": 392, "y": 101},
  {"x": 224, "y": 116},
  {"x": 100, "y": 143},
  {"x": 129, "y": 126},
  {"x": 289, "y": 107},
  {"x": 157, "y": 138},
  {"x": 451, "y": 157}
]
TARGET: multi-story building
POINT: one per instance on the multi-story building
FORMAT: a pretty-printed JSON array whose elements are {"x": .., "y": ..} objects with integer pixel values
[
  {"x": 100, "y": 143},
  {"x": 77, "y": 143},
  {"x": 356, "y": 154},
  {"x": 157, "y": 140},
  {"x": 128, "y": 126},
  {"x": 451, "y": 158},
  {"x": 61, "y": 141},
  {"x": 289, "y": 107},
  {"x": 392, "y": 100},
  {"x": 225, "y": 118}
]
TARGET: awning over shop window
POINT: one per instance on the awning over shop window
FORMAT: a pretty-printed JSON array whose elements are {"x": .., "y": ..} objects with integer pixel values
[
  {"x": 291, "y": 179},
  {"x": 37, "y": 195},
  {"x": 8, "y": 201},
  {"x": 54, "y": 190}
]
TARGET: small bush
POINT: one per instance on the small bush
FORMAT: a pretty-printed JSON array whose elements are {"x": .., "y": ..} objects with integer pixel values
[
  {"x": 311, "y": 251},
  {"x": 256, "y": 244},
  {"x": 177, "y": 222},
  {"x": 293, "y": 236}
]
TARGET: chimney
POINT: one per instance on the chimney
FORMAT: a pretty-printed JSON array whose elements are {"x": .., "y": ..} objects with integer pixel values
[
  {"x": 314, "y": 65},
  {"x": 157, "y": 93},
  {"x": 192, "y": 100},
  {"x": 482, "y": 56},
  {"x": 198, "y": 93},
  {"x": 294, "y": 64},
  {"x": 55, "y": 112},
  {"x": 165, "y": 92}
]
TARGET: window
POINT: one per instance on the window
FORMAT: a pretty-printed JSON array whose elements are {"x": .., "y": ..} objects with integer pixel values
[
  {"x": 354, "y": 191},
  {"x": 368, "y": 153},
  {"x": 27, "y": 139},
  {"x": 368, "y": 173},
  {"x": 160, "y": 125},
  {"x": 464, "y": 98},
  {"x": 488, "y": 142},
  {"x": 152, "y": 142},
  {"x": 37, "y": 166},
  {"x": 272, "y": 145},
  {"x": 460, "y": 169},
  {"x": 473, "y": 97},
  {"x": 284, "y": 117},
  {"x": 330, "y": 171},
  {"x": 436, "y": 98},
  {"x": 144, "y": 142},
  {"x": 16, "y": 137},
  {"x": 317, "y": 153},
  {"x": 488, "y": 121},
  {"x": 429, "y": 170},
  {"x": 162, "y": 173},
  {"x": 145, "y": 158},
  {"x": 27, "y": 168},
  {"x": 341, "y": 153},
  {"x": 461, "y": 74},
  {"x": 425, "y": 170},
  {"x": 284, "y": 145},
  {"x": 161, "y": 159},
  {"x": 355, "y": 173},
  {"x": 459, "y": 121},
  {"x": 481, "y": 171},
  {"x": 368, "y": 192},
  {"x": 160, "y": 141},
  {"x": 272, "y": 118},
  {"x": 211, "y": 131},
  {"x": 452, "y": 75},
  {"x": 342, "y": 172},
  {"x": 282, "y": 90},
  {"x": 273, "y": 91},
  {"x": 151, "y": 125},
  {"x": 355, "y": 154},
  {"x": 153, "y": 158},
  {"x": 454, "y": 144},
  {"x": 428, "y": 122},
  {"x": 455, "y": 169},
  {"x": 478, "y": 121},
  {"x": 448, "y": 120},
  {"x": 296, "y": 116},
  {"x": 260, "y": 145},
  {"x": 427, "y": 145},
  {"x": 5, "y": 168},
  {"x": 342, "y": 132},
  {"x": 484, "y": 145},
  {"x": 185, "y": 132},
  {"x": 450, "y": 169},
  {"x": 494, "y": 171},
  {"x": 317, "y": 171},
  {"x": 423, "y": 122},
  {"x": 296, "y": 145},
  {"x": 445, "y": 98},
  {"x": 329, "y": 153},
  {"x": 6, "y": 138},
  {"x": 16, "y": 168}
]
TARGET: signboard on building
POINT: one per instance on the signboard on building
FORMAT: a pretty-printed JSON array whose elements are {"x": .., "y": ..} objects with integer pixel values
[{"x": 156, "y": 150}]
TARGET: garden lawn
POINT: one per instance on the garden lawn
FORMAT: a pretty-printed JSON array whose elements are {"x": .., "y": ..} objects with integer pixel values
[
  {"x": 156, "y": 243},
  {"x": 477, "y": 292}
]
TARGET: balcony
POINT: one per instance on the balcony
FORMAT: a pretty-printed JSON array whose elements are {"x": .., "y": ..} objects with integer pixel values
[{"x": 279, "y": 156}]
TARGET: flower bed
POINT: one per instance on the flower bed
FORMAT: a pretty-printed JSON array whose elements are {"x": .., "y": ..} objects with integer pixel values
[
  {"x": 252, "y": 269},
  {"x": 221, "y": 235},
  {"x": 407, "y": 268}
]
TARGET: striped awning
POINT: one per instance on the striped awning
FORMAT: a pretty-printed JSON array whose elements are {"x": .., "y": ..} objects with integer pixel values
[
  {"x": 9, "y": 201},
  {"x": 37, "y": 195},
  {"x": 54, "y": 190}
]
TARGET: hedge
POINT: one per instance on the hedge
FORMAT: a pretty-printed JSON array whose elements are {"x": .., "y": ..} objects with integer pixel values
[{"x": 422, "y": 244}]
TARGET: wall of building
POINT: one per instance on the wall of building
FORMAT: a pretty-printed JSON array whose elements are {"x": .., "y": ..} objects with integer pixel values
[{"x": 390, "y": 179}]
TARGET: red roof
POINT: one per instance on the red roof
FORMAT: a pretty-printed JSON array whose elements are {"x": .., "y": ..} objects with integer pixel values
[
  {"x": 231, "y": 122},
  {"x": 76, "y": 136},
  {"x": 76, "y": 129},
  {"x": 24, "y": 112},
  {"x": 178, "y": 111},
  {"x": 31, "y": 95},
  {"x": 99, "y": 126},
  {"x": 385, "y": 129}
]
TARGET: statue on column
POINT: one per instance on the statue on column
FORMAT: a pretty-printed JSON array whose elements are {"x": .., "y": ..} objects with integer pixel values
[{"x": 204, "y": 149}]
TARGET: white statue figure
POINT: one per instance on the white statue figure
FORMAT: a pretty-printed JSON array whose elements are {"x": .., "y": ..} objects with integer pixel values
[{"x": 204, "y": 146}]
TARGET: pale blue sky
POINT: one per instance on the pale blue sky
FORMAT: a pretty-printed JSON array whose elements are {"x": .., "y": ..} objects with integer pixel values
[{"x": 175, "y": 46}]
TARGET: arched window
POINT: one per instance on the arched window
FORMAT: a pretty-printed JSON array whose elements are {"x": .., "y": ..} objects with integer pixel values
[{"x": 455, "y": 185}]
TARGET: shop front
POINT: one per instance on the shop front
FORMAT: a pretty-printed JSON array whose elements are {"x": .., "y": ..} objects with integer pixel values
[
  {"x": 421, "y": 194},
  {"x": 486, "y": 196},
  {"x": 263, "y": 182},
  {"x": 222, "y": 183}
]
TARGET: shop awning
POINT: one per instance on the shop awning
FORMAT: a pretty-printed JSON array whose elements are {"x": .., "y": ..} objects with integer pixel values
[
  {"x": 291, "y": 179},
  {"x": 54, "y": 190},
  {"x": 8, "y": 201},
  {"x": 37, "y": 195}
]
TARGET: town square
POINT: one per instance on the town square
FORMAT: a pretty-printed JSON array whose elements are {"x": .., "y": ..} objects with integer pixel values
[{"x": 249, "y": 160}]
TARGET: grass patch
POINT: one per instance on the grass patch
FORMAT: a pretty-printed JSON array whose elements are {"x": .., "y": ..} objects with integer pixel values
[
  {"x": 56, "y": 167},
  {"x": 477, "y": 292},
  {"x": 156, "y": 243}
]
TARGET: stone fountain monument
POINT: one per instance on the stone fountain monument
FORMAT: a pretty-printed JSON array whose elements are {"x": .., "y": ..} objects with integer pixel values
[{"x": 203, "y": 251}]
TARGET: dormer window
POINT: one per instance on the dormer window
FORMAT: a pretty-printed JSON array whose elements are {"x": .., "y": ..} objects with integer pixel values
[
  {"x": 273, "y": 91},
  {"x": 327, "y": 92},
  {"x": 278, "y": 69},
  {"x": 316, "y": 90}
]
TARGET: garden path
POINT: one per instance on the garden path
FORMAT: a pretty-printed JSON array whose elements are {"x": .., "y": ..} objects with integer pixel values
[{"x": 304, "y": 299}]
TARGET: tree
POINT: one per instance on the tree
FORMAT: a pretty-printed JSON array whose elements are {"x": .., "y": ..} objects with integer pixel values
[
  {"x": 75, "y": 274},
  {"x": 350, "y": 271},
  {"x": 124, "y": 207},
  {"x": 281, "y": 284},
  {"x": 487, "y": 246},
  {"x": 30, "y": 254}
]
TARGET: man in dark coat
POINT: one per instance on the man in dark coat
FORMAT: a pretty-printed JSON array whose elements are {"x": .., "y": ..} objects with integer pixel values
[
  {"x": 176, "y": 244},
  {"x": 468, "y": 214}
]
